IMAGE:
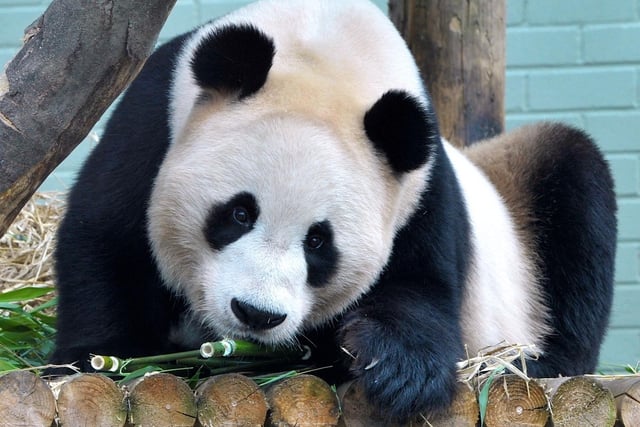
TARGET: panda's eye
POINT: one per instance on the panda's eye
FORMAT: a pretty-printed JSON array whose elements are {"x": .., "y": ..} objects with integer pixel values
[
  {"x": 241, "y": 215},
  {"x": 314, "y": 242}
]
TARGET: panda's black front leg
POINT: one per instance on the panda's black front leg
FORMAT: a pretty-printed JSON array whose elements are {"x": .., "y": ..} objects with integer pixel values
[{"x": 405, "y": 349}]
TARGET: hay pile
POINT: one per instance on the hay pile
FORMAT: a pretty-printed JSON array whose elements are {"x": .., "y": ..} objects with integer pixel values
[{"x": 26, "y": 249}]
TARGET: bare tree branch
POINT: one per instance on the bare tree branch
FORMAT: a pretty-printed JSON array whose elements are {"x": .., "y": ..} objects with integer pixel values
[{"x": 76, "y": 59}]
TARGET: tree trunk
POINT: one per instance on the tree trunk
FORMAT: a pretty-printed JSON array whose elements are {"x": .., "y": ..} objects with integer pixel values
[
  {"x": 460, "y": 48},
  {"x": 76, "y": 59}
]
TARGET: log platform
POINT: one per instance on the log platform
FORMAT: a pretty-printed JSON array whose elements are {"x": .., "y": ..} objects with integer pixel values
[{"x": 303, "y": 400}]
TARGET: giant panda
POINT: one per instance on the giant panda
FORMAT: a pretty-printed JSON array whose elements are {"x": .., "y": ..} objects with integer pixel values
[{"x": 278, "y": 175}]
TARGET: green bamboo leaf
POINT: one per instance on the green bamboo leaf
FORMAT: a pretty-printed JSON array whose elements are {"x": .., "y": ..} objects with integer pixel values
[
  {"x": 45, "y": 319},
  {"x": 47, "y": 304},
  {"x": 483, "y": 396},
  {"x": 266, "y": 380},
  {"x": 18, "y": 323},
  {"x": 6, "y": 366},
  {"x": 25, "y": 294},
  {"x": 139, "y": 373},
  {"x": 10, "y": 306}
]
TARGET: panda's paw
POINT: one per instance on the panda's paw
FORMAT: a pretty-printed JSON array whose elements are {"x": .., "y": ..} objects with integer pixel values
[{"x": 400, "y": 380}]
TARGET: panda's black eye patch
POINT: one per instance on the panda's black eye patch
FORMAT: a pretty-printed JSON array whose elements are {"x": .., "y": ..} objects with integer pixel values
[
  {"x": 230, "y": 220},
  {"x": 320, "y": 253}
]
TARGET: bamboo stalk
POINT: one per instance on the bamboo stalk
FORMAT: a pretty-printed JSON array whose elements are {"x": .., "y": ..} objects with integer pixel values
[
  {"x": 116, "y": 364},
  {"x": 239, "y": 348},
  {"x": 231, "y": 399},
  {"x": 210, "y": 355}
]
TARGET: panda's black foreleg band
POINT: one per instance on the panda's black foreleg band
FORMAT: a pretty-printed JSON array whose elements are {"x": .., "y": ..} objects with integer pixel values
[{"x": 404, "y": 363}]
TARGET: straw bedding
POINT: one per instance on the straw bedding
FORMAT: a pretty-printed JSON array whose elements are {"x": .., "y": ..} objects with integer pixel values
[{"x": 26, "y": 249}]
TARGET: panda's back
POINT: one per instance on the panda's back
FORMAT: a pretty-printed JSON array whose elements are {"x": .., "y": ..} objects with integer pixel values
[{"x": 558, "y": 189}]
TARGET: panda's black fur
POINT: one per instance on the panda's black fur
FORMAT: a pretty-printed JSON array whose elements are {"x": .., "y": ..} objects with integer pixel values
[{"x": 407, "y": 331}]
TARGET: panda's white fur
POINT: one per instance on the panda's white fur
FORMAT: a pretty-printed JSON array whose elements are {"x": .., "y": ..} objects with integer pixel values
[
  {"x": 288, "y": 174},
  {"x": 502, "y": 295},
  {"x": 320, "y": 45},
  {"x": 312, "y": 115},
  {"x": 307, "y": 116},
  {"x": 316, "y": 159}
]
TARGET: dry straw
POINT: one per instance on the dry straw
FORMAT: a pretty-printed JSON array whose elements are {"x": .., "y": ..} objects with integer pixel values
[{"x": 26, "y": 249}]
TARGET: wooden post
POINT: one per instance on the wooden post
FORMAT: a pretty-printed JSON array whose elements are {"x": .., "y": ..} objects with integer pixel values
[{"x": 460, "y": 48}]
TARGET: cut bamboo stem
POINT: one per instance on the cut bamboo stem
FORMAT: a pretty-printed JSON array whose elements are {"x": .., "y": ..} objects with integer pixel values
[
  {"x": 216, "y": 354},
  {"x": 231, "y": 400},
  {"x": 25, "y": 400},
  {"x": 91, "y": 400},
  {"x": 161, "y": 400},
  {"x": 514, "y": 401},
  {"x": 302, "y": 401},
  {"x": 238, "y": 348}
]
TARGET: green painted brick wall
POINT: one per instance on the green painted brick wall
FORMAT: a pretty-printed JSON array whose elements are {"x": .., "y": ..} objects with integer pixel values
[{"x": 576, "y": 61}]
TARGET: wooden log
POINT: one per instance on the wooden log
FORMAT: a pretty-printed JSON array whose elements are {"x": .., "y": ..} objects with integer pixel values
[
  {"x": 231, "y": 399},
  {"x": 25, "y": 400},
  {"x": 626, "y": 392},
  {"x": 76, "y": 59},
  {"x": 356, "y": 409},
  {"x": 302, "y": 400},
  {"x": 580, "y": 401},
  {"x": 463, "y": 412},
  {"x": 514, "y": 401},
  {"x": 358, "y": 412},
  {"x": 460, "y": 48},
  {"x": 91, "y": 400},
  {"x": 161, "y": 400}
]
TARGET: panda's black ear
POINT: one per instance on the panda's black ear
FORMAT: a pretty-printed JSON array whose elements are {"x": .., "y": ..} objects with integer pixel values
[
  {"x": 233, "y": 58},
  {"x": 402, "y": 129}
]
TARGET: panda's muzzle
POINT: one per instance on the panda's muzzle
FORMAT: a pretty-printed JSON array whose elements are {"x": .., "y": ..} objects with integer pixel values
[{"x": 254, "y": 317}]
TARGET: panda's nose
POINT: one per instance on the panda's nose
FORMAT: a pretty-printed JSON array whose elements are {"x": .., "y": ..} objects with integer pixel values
[{"x": 254, "y": 317}]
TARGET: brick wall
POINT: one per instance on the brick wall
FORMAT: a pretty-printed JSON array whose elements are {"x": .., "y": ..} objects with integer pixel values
[{"x": 577, "y": 61}]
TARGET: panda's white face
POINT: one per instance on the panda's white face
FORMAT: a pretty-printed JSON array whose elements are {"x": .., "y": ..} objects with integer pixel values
[{"x": 272, "y": 224}]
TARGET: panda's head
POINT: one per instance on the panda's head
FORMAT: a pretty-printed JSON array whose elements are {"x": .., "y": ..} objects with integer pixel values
[{"x": 277, "y": 204}]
